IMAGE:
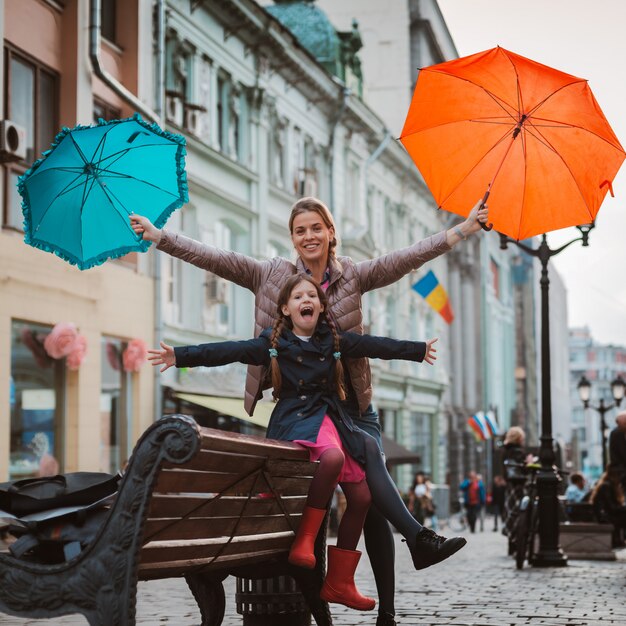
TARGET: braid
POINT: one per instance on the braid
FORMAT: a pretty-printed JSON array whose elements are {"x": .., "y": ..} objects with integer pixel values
[
  {"x": 274, "y": 368},
  {"x": 339, "y": 377}
]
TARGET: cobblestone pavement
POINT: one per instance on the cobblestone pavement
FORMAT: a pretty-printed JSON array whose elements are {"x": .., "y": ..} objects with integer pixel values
[{"x": 478, "y": 587}]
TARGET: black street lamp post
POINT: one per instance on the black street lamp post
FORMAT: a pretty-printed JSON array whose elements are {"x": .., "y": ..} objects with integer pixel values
[
  {"x": 617, "y": 389},
  {"x": 549, "y": 553}
]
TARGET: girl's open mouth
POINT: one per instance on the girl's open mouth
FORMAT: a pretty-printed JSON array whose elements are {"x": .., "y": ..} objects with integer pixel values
[{"x": 306, "y": 311}]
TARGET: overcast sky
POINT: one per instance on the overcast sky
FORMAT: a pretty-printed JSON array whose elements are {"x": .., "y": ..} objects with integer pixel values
[{"x": 587, "y": 39}]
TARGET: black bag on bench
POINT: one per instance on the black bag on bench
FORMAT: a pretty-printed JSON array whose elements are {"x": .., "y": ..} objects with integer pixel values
[{"x": 33, "y": 495}]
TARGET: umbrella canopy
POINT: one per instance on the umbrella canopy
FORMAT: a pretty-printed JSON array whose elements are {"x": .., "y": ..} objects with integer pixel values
[
  {"x": 532, "y": 135},
  {"x": 76, "y": 199}
]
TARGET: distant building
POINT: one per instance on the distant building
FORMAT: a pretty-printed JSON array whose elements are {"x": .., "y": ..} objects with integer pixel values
[{"x": 600, "y": 364}]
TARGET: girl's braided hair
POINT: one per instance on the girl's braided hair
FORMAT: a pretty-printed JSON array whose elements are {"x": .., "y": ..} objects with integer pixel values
[{"x": 283, "y": 320}]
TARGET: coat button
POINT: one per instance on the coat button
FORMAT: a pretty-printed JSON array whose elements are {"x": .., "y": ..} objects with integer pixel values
[
  {"x": 302, "y": 397},
  {"x": 301, "y": 381},
  {"x": 299, "y": 359},
  {"x": 322, "y": 358},
  {"x": 324, "y": 381},
  {"x": 300, "y": 414}
]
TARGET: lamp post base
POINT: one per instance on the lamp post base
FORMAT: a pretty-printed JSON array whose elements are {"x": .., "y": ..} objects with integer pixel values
[
  {"x": 549, "y": 553},
  {"x": 550, "y": 558}
]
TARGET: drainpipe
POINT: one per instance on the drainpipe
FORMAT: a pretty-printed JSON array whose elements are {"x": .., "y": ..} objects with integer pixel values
[
  {"x": 102, "y": 74},
  {"x": 154, "y": 116},
  {"x": 331, "y": 141},
  {"x": 160, "y": 110}
]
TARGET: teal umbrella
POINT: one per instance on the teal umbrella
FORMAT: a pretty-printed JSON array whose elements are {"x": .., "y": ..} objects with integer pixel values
[{"x": 77, "y": 198}]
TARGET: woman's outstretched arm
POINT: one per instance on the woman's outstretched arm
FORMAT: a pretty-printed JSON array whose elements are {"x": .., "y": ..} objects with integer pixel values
[
  {"x": 235, "y": 267},
  {"x": 389, "y": 268}
]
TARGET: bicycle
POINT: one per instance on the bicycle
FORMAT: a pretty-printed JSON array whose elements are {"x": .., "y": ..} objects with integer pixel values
[{"x": 527, "y": 525}]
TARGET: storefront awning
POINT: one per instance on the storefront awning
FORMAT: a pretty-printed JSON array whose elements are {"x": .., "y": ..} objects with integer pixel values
[
  {"x": 396, "y": 454},
  {"x": 231, "y": 406}
]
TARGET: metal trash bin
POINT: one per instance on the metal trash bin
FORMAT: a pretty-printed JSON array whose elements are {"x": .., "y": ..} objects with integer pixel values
[{"x": 271, "y": 602}]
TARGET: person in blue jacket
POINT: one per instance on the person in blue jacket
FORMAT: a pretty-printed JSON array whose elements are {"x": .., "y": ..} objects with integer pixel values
[
  {"x": 303, "y": 353},
  {"x": 474, "y": 498}
]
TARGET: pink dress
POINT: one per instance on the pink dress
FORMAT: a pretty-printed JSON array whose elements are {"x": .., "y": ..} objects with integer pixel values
[{"x": 328, "y": 437}]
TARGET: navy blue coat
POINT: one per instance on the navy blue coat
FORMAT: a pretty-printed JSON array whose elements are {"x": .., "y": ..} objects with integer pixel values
[{"x": 307, "y": 369}]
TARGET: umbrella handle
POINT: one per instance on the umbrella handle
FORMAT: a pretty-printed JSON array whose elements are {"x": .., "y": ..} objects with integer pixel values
[{"x": 484, "y": 226}]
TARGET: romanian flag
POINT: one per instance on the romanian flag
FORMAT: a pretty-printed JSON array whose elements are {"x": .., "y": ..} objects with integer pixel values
[{"x": 430, "y": 289}]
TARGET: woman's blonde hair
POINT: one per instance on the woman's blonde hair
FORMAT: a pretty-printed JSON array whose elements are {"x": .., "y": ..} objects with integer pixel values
[
  {"x": 304, "y": 205},
  {"x": 283, "y": 320},
  {"x": 514, "y": 435}
]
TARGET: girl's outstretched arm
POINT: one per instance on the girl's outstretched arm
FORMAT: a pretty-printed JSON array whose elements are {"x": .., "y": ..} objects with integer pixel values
[
  {"x": 165, "y": 356},
  {"x": 354, "y": 345}
]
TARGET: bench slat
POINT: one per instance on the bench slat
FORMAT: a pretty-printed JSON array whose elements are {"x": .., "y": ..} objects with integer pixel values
[
  {"x": 180, "y": 506},
  {"x": 188, "y": 481},
  {"x": 150, "y": 571},
  {"x": 198, "y": 528},
  {"x": 214, "y": 461},
  {"x": 195, "y": 549},
  {"x": 226, "y": 441}
]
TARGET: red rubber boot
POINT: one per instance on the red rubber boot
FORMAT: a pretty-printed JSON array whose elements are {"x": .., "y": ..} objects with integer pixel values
[
  {"x": 339, "y": 585},
  {"x": 303, "y": 546}
]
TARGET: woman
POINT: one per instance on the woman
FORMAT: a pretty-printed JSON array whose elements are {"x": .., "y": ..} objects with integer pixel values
[
  {"x": 313, "y": 235},
  {"x": 515, "y": 480},
  {"x": 304, "y": 354},
  {"x": 608, "y": 503},
  {"x": 420, "y": 499}
]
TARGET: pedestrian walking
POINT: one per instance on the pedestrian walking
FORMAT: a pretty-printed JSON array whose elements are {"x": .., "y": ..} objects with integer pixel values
[
  {"x": 617, "y": 447},
  {"x": 314, "y": 237},
  {"x": 474, "y": 498},
  {"x": 498, "y": 490},
  {"x": 303, "y": 352}
]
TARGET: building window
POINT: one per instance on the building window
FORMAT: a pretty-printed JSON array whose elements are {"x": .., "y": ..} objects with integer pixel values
[
  {"x": 495, "y": 278},
  {"x": 108, "y": 20},
  {"x": 116, "y": 400},
  {"x": 36, "y": 403},
  {"x": 422, "y": 440},
  {"x": 31, "y": 93},
  {"x": 222, "y": 96},
  {"x": 105, "y": 111}
]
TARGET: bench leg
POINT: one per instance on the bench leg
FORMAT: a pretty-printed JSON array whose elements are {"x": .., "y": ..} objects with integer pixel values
[{"x": 209, "y": 594}]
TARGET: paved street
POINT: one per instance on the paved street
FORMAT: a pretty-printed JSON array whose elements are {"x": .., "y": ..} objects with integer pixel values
[{"x": 478, "y": 587}]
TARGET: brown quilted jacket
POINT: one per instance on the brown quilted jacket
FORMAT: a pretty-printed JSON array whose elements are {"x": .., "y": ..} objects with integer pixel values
[{"x": 348, "y": 281}]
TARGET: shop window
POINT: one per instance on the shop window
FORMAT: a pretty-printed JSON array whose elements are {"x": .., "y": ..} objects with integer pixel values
[
  {"x": 31, "y": 93},
  {"x": 37, "y": 404},
  {"x": 116, "y": 410}
]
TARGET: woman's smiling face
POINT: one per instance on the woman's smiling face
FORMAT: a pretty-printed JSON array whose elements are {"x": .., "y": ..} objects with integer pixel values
[
  {"x": 311, "y": 237},
  {"x": 303, "y": 308}
]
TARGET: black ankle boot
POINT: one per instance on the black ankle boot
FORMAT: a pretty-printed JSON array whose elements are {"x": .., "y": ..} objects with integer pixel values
[
  {"x": 431, "y": 548},
  {"x": 386, "y": 619}
]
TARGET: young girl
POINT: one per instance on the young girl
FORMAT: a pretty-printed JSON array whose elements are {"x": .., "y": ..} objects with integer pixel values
[{"x": 303, "y": 351}]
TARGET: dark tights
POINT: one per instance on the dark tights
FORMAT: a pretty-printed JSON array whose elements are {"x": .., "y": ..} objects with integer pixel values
[
  {"x": 357, "y": 497},
  {"x": 385, "y": 494}
]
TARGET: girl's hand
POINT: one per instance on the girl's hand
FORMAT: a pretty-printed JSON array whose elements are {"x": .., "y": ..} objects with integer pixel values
[
  {"x": 430, "y": 356},
  {"x": 165, "y": 357},
  {"x": 143, "y": 226},
  {"x": 477, "y": 214}
]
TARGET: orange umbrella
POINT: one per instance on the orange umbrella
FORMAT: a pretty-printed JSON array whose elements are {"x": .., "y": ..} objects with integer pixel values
[{"x": 532, "y": 136}]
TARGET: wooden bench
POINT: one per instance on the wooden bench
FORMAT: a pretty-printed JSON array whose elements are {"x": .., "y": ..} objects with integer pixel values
[{"x": 194, "y": 502}]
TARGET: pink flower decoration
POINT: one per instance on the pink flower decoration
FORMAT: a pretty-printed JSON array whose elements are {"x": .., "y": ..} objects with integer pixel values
[
  {"x": 135, "y": 355},
  {"x": 77, "y": 355},
  {"x": 60, "y": 341}
]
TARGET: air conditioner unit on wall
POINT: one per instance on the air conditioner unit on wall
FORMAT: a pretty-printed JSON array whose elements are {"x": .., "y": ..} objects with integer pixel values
[
  {"x": 216, "y": 289},
  {"x": 174, "y": 107},
  {"x": 12, "y": 142}
]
